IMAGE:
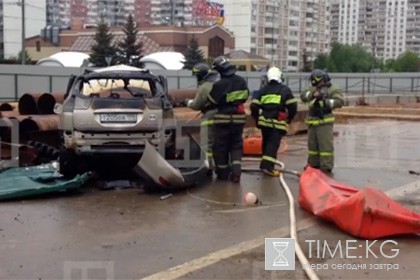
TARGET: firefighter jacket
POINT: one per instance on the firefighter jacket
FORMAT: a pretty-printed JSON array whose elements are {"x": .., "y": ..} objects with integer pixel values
[
  {"x": 201, "y": 100},
  {"x": 229, "y": 95},
  {"x": 321, "y": 108},
  {"x": 274, "y": 106}
]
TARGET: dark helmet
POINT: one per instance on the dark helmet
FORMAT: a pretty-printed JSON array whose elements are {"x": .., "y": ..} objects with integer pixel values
[
  {"x": 319, "y": 75},
  {"x": 201, "y": 70},
  {"x": 222, "y": 65}
]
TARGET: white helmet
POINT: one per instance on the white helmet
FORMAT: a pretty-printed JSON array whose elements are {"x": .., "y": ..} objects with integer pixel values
[{"x": 274, "y": 74}]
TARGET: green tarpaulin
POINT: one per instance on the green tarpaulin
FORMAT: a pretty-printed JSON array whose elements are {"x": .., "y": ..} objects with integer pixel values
[{"x": 41, "y": 179}]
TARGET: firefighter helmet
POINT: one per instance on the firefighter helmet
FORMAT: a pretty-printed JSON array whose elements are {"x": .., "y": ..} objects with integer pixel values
[
  {"x": 201, "y": 70},
  {"x": 274, "y": 74},
  {"x": 319, "y": 75},
  {"x": 222, "y": 65}
]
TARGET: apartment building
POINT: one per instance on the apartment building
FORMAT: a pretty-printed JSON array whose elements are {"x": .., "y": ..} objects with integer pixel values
[
  {"x": 79, "y": 13},
  {"x": 281, "y": 31},
  {"x": 412, "y": 41},
  {"x": 386, "y": 28}
]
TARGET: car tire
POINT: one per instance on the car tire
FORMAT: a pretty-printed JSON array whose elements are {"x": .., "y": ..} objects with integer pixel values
[{"x": 69, "y": 163}]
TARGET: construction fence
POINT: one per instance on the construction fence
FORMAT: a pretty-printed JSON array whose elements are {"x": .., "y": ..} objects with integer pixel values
[{"x": 16, "y": 80}]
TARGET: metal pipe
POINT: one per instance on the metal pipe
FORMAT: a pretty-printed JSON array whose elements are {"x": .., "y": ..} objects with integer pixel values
[
  {"x": 39, "y": 123},
  {"x": 9, "y": 114},
  {"x": 47, "y": 101},
  {"x": 181, "y": 94},
  {"x": 23, "y": 51},
  {"x": 28, "y": 103},
  {"x": 6, "y": 107},
  {"x": 27, "y": 155}
]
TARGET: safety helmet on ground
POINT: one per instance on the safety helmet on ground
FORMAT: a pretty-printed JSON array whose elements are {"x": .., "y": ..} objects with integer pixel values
[
  {"x": 318, "y": 76},
  {"x": 201, "y": 70},
  {"x": 222, "y": 65},
  {"x": 274, "y": 74}
]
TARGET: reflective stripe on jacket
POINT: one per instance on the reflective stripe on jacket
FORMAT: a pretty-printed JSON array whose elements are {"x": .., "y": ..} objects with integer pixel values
[
  {"x": 228, "y": 95},
  {"x": 273, "y": 106}
]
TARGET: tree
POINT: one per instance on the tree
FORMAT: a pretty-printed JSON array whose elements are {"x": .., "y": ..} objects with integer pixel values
[
  {"x": 346, "y": 58},
  {"x": 321, "y": 61},
  {"x": 407, "y": 62},
  {"x": 129, "y": 50},
  {"x": 18, "y": 59},
  {"x": 193, "y": 55},
  {"x": 103, "y": 48}
]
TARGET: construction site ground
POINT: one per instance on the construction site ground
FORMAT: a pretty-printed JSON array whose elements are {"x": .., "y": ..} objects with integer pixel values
[{"x": 206, "y": 232}]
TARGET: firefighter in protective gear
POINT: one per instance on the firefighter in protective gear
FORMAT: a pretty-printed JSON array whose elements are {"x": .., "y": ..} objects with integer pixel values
[
  {"x": 322, "y": 98},
  {"x": 272, "y": 109},
  {"x": 205, "y": 79},
  {"x": 228, "y": 95}
]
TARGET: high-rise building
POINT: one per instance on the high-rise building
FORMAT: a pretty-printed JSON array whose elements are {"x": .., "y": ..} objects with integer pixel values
[
  {"x": 387, "y": 28},
  {"x": 412, "y": 41},
  {"x": 82, "y": 13},
  {"x": 79, "y": 13},
  {"x": 170, "y": 12},
  {"x": 283, "y": 31}
]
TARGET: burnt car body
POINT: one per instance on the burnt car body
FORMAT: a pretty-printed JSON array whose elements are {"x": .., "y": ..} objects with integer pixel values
[{"x": 109, "y": 114}]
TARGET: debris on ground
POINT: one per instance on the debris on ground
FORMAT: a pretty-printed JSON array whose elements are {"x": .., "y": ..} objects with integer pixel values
[{"x": 21, "y": 182}]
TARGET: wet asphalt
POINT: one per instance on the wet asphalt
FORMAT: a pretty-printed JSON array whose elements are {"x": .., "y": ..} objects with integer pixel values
[{"x": 131, "y": 234}]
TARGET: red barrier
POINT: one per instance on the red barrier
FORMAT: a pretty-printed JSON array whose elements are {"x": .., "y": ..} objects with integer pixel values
[{"x": 368, "y": 213}]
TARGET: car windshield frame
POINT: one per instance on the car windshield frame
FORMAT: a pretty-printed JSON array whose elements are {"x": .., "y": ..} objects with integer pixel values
[{"x": 153, "y": 83}]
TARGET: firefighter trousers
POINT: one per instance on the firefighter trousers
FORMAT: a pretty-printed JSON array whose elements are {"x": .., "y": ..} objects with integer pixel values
[
  {"x": 321, "y": 146},
  {"x": 207, "y": 132},
  {"x": 271, "y": 138},
  {"x": 227, "y": 149}
]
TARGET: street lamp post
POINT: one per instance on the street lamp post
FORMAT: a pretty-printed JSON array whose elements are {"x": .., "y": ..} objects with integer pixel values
[
  {"x": 273, "y": 49},
  {"x": 23, "y": 51}
]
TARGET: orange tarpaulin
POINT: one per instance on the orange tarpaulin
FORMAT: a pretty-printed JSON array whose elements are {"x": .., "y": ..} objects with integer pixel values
[{"x": 367, "y": 213}]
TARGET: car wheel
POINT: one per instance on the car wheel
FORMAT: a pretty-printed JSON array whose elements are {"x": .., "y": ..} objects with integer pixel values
[{"x": 70, "y": 163}]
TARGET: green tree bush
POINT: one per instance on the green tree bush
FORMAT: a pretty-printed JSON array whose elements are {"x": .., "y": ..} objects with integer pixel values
[
  {"x": 103, "y": 47},
  {"x": 129, "y": 50}
]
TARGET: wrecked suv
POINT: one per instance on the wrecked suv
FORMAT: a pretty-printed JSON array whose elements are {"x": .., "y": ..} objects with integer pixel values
[{"x": 109, "y": 114}]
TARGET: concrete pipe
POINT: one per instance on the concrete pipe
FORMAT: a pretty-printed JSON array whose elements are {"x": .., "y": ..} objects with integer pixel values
[
  {"x": 28, "y": 103},
  {"x": 6, "y": 107},
  {"x": 47, "y": 101},
  {"x": 39, "y": 123},
  {"x": 179, "y": 95}
]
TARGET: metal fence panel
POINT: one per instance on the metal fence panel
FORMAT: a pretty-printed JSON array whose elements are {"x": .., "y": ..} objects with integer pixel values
[
  {"x": 7, "y": 88},
  {"x": 16, "y": 80}
]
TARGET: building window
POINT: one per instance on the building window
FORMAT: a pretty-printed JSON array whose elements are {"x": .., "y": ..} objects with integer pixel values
[{"x": 38, "y": 46}]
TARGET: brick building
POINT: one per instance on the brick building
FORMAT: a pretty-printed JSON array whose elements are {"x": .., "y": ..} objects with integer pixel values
[{"x": 213, "y": 41}]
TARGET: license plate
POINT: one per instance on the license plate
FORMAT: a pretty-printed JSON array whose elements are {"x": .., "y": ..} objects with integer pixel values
[{"x": 118, "y": 118}]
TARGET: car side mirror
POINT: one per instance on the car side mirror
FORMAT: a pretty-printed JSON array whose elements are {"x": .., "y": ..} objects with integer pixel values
[{"x": 58, "y": 108}]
